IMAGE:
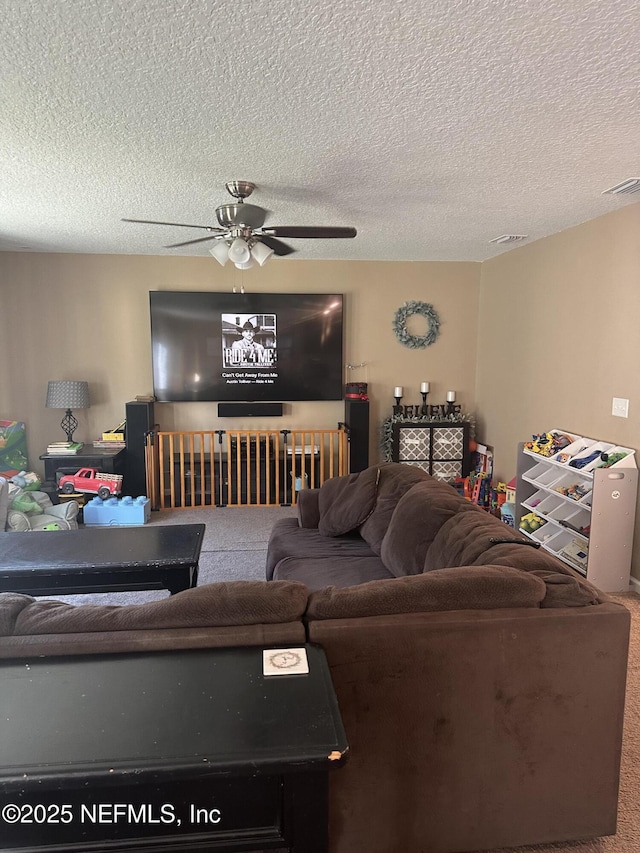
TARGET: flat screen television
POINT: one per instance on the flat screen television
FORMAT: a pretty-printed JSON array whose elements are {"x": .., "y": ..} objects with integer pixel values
[{"x": 246, "y": 347}]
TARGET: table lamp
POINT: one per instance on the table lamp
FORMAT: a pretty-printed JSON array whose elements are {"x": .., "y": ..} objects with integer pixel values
[{"x": 68, "y": 394}]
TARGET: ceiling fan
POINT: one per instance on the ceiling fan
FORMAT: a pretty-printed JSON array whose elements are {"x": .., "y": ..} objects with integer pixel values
[{"x": 241, "y": 235}]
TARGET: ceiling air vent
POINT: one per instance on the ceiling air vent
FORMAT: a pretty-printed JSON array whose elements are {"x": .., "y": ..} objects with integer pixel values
[
  {"x": 509, "y": 238},
  {"x": 631, "y": 185}
]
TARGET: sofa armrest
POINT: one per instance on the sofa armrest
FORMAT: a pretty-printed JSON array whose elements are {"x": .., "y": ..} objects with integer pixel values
[
  {"x": 308, "y": 507},
  {"x": 67, "y": 512},
  {"x": 17, "y": 520}
]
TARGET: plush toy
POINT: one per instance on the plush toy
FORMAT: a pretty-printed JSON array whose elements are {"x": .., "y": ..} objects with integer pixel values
[
  {"x": 21, "y": 500},
  {"x": 27, "y": 480}
]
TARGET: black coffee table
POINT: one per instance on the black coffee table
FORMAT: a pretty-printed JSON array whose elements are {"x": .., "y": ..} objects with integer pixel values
[
  {"x": 185, "y": 751},
  {"x": 108, "y": 559}
]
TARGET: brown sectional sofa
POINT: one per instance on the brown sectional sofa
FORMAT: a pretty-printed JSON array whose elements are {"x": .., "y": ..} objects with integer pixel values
[
  {"x": 240, "y": 613},
  {"x": 481, "y": 683}
]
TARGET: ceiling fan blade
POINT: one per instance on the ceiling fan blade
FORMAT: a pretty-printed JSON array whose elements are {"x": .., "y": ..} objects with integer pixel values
[
  {"x": 189, "y": 242},
  {"x": 309, "y": 231},
  {"x": 279, "y": 248},
  {"x": 178, "y": 224}
]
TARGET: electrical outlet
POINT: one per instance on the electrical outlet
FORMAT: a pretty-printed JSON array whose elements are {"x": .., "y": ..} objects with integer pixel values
[{"x": 620, "y": 407}]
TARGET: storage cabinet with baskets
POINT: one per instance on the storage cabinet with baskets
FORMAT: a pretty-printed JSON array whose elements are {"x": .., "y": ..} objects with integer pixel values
[
  {"x": 579, "y": 503},
  {"x": 439, "y": 447}
]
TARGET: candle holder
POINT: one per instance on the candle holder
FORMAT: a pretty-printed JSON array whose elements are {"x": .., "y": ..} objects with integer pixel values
[
  {"x": 424, "y": 395},
  {"x": 410, "y": 411}
]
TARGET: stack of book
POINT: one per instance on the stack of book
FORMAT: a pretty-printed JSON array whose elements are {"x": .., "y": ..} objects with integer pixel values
[
  {"x": 114, "y": 444},
  {"x": 114, "y": 438},
  {"x": 64, "y": 448}
]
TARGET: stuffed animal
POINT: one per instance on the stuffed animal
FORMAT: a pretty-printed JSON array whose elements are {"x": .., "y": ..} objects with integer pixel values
[
  {"x": 22, "y": 500},
  {"x": 27, "y": 480}
]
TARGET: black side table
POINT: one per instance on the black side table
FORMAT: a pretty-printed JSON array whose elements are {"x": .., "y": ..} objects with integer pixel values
[
  {"x": 167, "y": 751},
  {"x": 109, "y": 461}
]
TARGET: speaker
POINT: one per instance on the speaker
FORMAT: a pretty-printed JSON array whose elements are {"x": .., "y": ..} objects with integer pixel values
[
  {"x": 356, "y": 417},
  {"x": 140, "y": 421},
  {"x": 250, "y": 410}
]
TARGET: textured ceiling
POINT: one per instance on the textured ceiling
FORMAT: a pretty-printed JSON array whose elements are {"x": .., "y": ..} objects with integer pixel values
[{"x": 432, "y": 126}]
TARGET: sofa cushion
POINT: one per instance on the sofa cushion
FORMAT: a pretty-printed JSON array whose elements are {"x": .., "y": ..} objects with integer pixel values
[
  {"x": 464, "y": 588},
  {"x": 216, "y": 604},
  {"x": 416, "y": 520},
  {"x": 345, "y": 502},
  {"x": 396, "y": 478},
  {"x": 564, "y": 587},
  {"x": 464, "y": 537},
  {"x": 318, "y": 572},
  {"x": 288, "y": 539},
  {"x": 11, "y": 605},
  {"x": 308, "y": 509}
]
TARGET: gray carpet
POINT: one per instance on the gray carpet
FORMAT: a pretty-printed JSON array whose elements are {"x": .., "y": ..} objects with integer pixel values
[{"x": 234, "y": 548}]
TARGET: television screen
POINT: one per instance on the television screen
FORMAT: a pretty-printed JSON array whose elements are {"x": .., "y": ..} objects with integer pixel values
[{"x": 246, "y": 346}]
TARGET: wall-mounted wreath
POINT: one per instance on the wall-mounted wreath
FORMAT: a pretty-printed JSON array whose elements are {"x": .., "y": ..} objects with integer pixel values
[{"x": 424, "y": 309}]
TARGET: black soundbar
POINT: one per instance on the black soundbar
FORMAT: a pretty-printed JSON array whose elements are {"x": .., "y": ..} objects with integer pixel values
[{"x": 250, "y": 410}]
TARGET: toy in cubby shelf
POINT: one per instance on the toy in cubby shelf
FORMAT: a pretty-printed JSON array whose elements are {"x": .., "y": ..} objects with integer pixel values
[
  {"x": 549, "y": 443},
  {"x": 498, "y": 498},
  {"x": 477, "y": 486},
  {"x": 506, "y": 504},
  {"x": 531, "y": 522}
]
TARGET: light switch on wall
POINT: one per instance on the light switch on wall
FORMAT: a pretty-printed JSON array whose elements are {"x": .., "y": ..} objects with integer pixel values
[{"x": 620, "y": 407}]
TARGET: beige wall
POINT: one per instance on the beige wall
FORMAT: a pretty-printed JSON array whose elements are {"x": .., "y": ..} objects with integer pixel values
[
  {"x": 542, "y": 336},
  {"x": 87, "y": 317},
  {"x": 559, "y": 338}
]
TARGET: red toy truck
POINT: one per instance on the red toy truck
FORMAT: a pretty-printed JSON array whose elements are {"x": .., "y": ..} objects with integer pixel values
[{"x": 93, "y": 482}]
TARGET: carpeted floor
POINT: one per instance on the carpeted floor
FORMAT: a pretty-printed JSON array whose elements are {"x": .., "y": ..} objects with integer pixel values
[{"x": 235, "y": 549}]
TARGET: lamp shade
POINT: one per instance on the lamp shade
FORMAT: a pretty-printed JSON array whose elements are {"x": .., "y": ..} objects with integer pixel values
[
  {"x": 220, "y": 252},
  {"x": 261, "y": 253},
  {"x": 67, "y": 394},
  {"x": 239, "y": 251}
]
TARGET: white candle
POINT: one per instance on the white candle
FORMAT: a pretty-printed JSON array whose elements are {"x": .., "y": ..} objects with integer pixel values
[
  {"x": 424, "y": 388},
  {"x": 397, "y": 391},
  {"x": 451, "y": 396}
]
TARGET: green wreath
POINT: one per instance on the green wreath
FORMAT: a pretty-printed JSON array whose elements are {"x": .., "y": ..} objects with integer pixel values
[{"x": 400, "y": 324}]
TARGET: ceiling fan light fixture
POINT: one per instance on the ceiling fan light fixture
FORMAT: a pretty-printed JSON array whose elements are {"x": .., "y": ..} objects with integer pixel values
[
  {"x": 220, "y": 252},
  {"x": 241, "y": 236},
  {"x": 246, "y": 265},
  {"x": 261, "y": 253},
  {"x": 239, "y": 251}
]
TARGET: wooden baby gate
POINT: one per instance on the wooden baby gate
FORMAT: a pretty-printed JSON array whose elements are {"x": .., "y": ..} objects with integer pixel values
[{"x": 240, "y": 468}]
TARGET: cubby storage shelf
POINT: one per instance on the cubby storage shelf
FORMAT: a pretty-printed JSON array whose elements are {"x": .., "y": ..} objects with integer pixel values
[{"x": 588, "y": 512}]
